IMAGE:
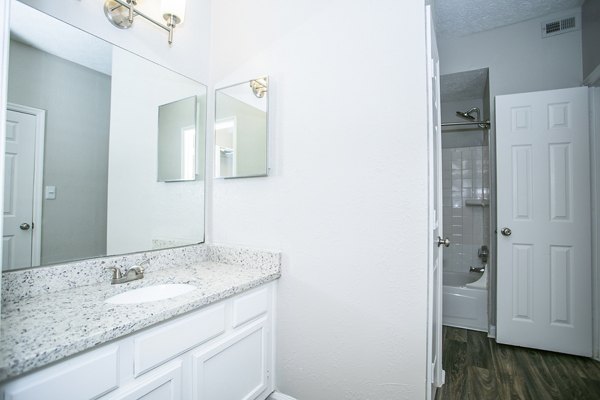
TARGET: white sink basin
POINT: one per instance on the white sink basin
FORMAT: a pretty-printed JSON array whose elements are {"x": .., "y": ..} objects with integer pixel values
[{"x": 151, "y": 293}]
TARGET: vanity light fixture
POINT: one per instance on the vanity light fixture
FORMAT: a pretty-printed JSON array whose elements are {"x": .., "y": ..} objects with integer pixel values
[
  {"x": 121, "y": 13},
  {"x": 259, "y": 87}
]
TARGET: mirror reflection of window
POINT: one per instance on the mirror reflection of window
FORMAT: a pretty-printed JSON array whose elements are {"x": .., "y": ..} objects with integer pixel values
[
  {"x": 188, "y": 151},
  {"x": 225, "y": 134}
]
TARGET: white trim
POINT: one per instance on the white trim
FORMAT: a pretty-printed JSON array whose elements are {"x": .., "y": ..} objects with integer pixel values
[
  {"x": 273, "y": 333},
  {"x": 593, "y": 77},
  {"x": 280, "y": 396},
  {"x": 38, "y": 177},
  {"x": 4, "y": 46},
  {"x": 595, "y": 187}
]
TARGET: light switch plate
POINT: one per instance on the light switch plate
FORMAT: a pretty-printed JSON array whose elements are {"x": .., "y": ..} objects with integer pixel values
[{"x": 50, "y": 192}]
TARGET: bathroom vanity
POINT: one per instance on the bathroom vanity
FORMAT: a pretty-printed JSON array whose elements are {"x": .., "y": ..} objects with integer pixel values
[{"x": 214, "y": 342}]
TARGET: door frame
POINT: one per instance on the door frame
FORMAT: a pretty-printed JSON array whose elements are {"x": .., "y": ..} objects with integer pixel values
[
  {"x": 434, "y": 372},
  {"x": 38, "y": 177}
]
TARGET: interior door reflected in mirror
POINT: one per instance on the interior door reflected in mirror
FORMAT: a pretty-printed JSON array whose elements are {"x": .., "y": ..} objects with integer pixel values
[
  {"x": 177, "y": 140},
  {"x": 241, "y": 129}
]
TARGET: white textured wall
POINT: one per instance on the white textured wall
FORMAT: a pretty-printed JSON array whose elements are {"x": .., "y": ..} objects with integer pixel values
[
  {"x": 519, "y": 59},
  {"x": 189, "y": 53},
  {"x": 347, "y": 198},
  {"x": 140, "y": 209}
]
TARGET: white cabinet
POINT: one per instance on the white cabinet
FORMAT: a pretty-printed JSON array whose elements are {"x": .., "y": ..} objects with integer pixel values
[
  {"x": 164, "y": 383},
  {"x": 84, "y": 377},
  {"x": 234, "y": 369},
  {"x": 221, "y": 352}
]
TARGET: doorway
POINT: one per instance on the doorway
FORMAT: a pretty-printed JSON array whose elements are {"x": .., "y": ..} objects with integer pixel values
[{"x": 24, "y": 158}]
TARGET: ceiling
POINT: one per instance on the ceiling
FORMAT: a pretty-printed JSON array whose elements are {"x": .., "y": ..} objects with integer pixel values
[
  {"x": 57, "y": 38},
  {"x": 460, "y": 17},
  {"x": 467, "y": 85}
]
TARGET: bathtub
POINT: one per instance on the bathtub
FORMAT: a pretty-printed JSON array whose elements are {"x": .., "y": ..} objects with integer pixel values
[{"x": 463, "y": 306}]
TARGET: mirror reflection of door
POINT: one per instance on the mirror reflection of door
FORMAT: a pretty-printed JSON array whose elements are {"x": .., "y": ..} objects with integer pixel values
[
  {"x": 225, "y": 147},
  {"x": 22, "y": 186}
]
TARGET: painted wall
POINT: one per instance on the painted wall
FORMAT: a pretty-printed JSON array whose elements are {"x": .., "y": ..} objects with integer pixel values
[
  {"x": 346, "y": 201},
  {"x": 519, "y": 59},
  {"x": 462, "y": 136},
  {"x": 76, "y": 148},
  {"x": 590, "y": 32},
  {"x": 188, "y": 54},
  {"x": 142, "y": 211}
]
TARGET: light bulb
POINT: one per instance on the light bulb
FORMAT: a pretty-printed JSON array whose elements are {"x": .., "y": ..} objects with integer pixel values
[{"x": 175, "y": 8}]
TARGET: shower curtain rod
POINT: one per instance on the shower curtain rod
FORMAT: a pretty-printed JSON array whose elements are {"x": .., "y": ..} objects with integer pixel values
[{"x": 479, "y": 123}]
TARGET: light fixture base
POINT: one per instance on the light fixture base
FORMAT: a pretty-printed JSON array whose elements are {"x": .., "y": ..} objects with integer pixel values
[
  {"x": 171, "y": 19},
  {"x": 117, "y": 14}
]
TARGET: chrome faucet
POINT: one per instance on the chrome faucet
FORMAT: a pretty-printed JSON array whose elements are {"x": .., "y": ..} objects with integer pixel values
[{"x": 131, "y": 274}]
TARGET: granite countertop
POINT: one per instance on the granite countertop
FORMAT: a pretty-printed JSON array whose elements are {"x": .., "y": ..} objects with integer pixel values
[{"x": 40, "y": 330}]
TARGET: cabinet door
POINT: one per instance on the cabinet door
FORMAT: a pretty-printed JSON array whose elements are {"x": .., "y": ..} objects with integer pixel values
[
  {"x": 236, "y": 369},
  {"x": 164, "y": 383}
]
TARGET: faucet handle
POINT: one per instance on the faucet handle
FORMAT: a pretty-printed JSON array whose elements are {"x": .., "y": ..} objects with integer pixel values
[
  {"x": 116, "y": 272},
  {"x": 140, "y": 265}
]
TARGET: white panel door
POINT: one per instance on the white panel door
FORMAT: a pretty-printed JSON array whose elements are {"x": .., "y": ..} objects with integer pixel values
[
  {"x": 544, "y": 233},
  {"x": 435, "y": 374},
  {"x": 18, "y": 188}
]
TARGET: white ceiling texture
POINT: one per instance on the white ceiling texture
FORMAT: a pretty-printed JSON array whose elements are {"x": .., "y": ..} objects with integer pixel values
[{"x": 460, "y": 17}]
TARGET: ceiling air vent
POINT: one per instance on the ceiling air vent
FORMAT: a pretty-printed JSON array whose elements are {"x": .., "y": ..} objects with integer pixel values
[{"x": 559, "y": 26}]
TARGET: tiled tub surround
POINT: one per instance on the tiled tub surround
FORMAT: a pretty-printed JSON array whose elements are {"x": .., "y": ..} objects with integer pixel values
[
  {"x": 48, "y": 325},
  {"x": 465, "y": 176}
]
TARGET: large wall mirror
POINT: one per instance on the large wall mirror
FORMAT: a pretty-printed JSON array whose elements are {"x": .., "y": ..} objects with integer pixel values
[
  {"x": 241, "y": 127},
  {"x": 104, "y": 149}
]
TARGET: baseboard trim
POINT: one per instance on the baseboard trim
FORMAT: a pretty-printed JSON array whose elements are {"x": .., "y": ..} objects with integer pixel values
[{"x": 280, "y": 396}]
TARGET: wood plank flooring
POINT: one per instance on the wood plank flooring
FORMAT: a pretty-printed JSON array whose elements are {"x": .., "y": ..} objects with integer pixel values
[{"x": 478, "y": 368}]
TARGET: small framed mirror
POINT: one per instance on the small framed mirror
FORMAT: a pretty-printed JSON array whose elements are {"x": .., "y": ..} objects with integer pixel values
[
  {"x": 178, "y": 140},
  {"x": 241, "y": 129}
]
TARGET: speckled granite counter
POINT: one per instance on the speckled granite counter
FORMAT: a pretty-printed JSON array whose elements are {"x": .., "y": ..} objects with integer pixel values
[{"x": 39, "y": 330}]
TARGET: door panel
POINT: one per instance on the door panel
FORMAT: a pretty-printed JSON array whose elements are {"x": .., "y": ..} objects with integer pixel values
[
  {"x": 18, "y": 188},
  {"x": 435, "y": 374},
  {"x": 544, "y": 262}
]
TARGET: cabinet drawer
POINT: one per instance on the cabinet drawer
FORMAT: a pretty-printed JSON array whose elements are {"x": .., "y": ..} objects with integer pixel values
[
  {"x": 85, "y": 377},
  {"x": 163, "y": 343},
  {"x": 250, "y": 306}
]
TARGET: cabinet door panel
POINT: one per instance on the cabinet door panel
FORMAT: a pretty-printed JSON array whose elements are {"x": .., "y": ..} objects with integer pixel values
[
  {"x": 235, "y": 369},
  {"x": 163, "y": 383}
]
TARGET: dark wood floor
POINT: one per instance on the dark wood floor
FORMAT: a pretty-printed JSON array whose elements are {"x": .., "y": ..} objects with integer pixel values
[{"x": 478, "y": 368}]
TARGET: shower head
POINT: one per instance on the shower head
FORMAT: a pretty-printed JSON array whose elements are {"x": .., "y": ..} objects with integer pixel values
[{"x": 467, "y": 114}]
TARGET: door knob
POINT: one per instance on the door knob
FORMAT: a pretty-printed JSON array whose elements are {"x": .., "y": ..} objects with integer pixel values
[
  {"x": 506, "y": 231},
  {"x": 24, "y": 226},
  {"x": 445, "y": 242}
]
